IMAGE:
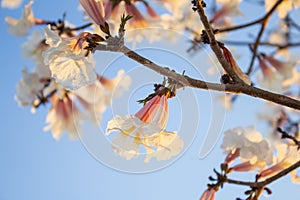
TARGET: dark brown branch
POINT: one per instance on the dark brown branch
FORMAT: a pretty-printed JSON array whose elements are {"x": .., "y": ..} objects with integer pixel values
[
  {"x": 286, "y": 135},
  {"x": 268, "y": 180},
  {"x": 186, "y": 81},
  {"x": 279, "y": 46},
  {"x": 214, "y": 44},
  {"x": 255, "y": 46}
]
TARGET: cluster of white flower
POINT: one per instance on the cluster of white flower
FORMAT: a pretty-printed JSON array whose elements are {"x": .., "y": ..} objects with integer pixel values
[
  {"x": 146, "y": 128},
  {"x": 255, "y": 152},
  {"x": 64, "y": 76}
]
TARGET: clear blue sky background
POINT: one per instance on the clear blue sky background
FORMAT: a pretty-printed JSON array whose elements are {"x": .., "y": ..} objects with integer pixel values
[{"x": 35, "y": 166}]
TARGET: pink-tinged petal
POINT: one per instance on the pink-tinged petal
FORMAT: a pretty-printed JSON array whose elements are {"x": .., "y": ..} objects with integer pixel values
[
  {"x": 208, "y": 194},
  {"x": 231, "y": 61},
  {"x": 231, "y": 156},
  {"x": 264, "y": 68},
  {"x": 269, "y": 79},
  {"x": 243, "y": 167},
  {"x": 144, "y": 113},
  {"x": 271, "y": 171},
  {"x": 95, "y": 10},
  {"x": 284, "y": 68},
  {"x": 152, "y": 12},
  {"x": 219, "y": 15},
  {"x": 155, "y": 110},
  {"x": 138, "y": 18},
  {"x": 60, "y": 109},
  {"x": 108, "y": 8}
]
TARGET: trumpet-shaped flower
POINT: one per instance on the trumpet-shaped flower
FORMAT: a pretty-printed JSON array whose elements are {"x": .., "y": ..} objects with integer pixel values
[
  {"x": 284, "y": 68},
  {"x": 269, "y": 78},
  {"x": 229, "y": 9},
  {"x": 63, "y": 116},
  {"x": 28, "y": 88},
  {"x": 231, "y": 61},
  {"x": 94, "y": 9},
  {"x": 113, "y": 11},
  {"x": 287, "y": 155},
  {"x": 208, "y": 194},
  {"x": 20, "y": 27},
  {"x": 12, "y": 4},
  {"x": 253, "y": 150},
  {"x": 145, "y": 128},
  {"x": 67, "y": 60}
]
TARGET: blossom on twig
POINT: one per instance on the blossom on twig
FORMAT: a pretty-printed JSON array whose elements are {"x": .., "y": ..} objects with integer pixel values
[
  {"x": 67, "y": 60},
  {"x": 29, "y": 88},
  {"x": 146, "y": 128},
  {"x": 253, "y": 150},
  {"x": 20, "y": 27}
]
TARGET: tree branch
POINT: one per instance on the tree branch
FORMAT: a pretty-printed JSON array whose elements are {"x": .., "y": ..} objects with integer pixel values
[
  {"x": 214, "y": 44},
  {"x": 267, "y": 181},
  {"x": 186, "y": 81}
]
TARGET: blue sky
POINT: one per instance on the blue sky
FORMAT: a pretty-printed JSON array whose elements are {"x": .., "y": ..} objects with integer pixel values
[{"x": 35, "y": 166}]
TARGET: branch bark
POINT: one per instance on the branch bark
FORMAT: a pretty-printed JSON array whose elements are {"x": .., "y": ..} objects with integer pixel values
[
  {"x": 186, "y": 81},
  {"x": 268, "y": 180}
]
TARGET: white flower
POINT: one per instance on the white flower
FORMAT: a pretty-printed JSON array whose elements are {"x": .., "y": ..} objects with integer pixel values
[
  {"x": 145, "y": 128},
  {"x": 252, "y": 147},
  {"x": 167, "y": 144},
  {"x": 12, "y": 4},
  {"x": 28, "y": 89},
  {"x": 63, "y": 116},
  {"x": 67, "y": 61},
  {"x": 20, "y": 27},
  {"x": 33, "y": 47}
]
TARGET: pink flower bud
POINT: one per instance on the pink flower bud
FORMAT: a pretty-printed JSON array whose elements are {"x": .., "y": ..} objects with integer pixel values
[
  {"x": 151, "y": 12},
  {"x": 243, "y": 167},
  {"x": 229, "y": 58},
  {"x": 95, "y": 10},
  {"x": 232, "y": 156},
  {"x": 208, "y": 194},
  {"x": 155, "y": 110}
]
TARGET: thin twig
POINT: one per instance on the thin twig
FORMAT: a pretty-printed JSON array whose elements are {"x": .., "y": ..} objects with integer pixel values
[
  {"x": 244, "y": 43},
  {"x": 268, "y": 180},
  {"x": 255, "y": 46},
  {"x": 258, "y": 21},
  {"x": 286, "y": 135}
]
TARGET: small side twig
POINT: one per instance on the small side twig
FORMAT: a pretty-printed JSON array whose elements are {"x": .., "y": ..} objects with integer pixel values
[{"x": 285, "y": 135}]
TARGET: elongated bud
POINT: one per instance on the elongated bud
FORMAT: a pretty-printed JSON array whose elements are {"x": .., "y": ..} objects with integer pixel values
[
  {"x": 95, "y": 10},
  {"x": 229, "y": 58}
]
